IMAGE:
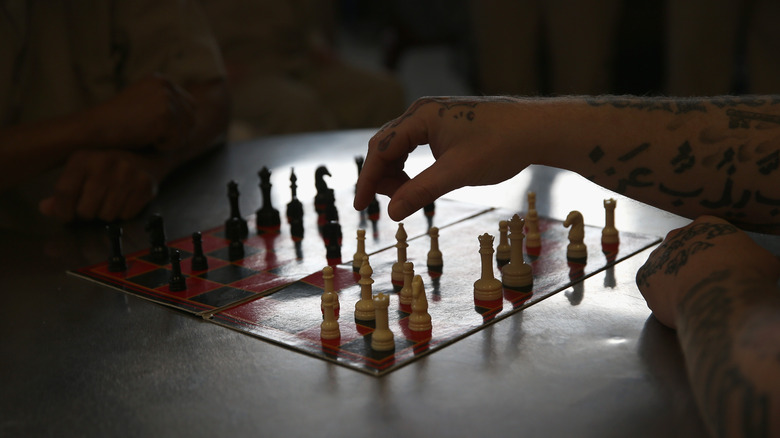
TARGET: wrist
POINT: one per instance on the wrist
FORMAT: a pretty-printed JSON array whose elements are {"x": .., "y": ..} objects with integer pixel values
[{"x": 541, "y": 128}]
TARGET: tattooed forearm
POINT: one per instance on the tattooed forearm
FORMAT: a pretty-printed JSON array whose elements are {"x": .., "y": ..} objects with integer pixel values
[
  {"x": 711, "y": 312},
  {"x": 675, "y": 252}
]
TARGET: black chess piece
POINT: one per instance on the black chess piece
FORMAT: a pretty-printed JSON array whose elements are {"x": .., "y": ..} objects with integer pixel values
[
  {"x": 235, "y": 225},
  {"x": 331, "y": 212},
  {"x": 236, "y": 250},
  {"x": 199, "y": 261},
  {"x": 295, "y": 210},
  {"x": 324, "y": 193},
  {"x": 430, "y": 211},
  {"x": 332, "y": 237},
  {"x": 373, "y": 215},
  {"x": 359, "y": 162},
  {"x": 331, "y": 234},
  {"x": 156, "y": 230},
  {"x": 177, "y": 282},
  {"x": 117, "y": 262},
  {"x": 267, "y": 216}
]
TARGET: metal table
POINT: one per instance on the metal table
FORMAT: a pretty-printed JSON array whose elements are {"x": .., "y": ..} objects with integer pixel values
[{"x": 81, "y": 359}]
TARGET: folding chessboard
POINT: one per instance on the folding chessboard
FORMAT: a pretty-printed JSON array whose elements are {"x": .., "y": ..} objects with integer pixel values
[{"x": 274, "y": 292}]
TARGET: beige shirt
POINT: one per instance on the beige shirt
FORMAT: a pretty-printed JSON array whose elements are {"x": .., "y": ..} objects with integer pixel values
[{"x": 61, "y": 56}]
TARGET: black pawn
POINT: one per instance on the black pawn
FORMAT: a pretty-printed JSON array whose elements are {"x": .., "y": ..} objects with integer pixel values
[
  {"x": 156, "y": 230},
  {"x": 199, "y": 261},
  {"x": 235, "y": 225},
  {"x": 267, "y": 215},
  {"x": 236, "y": 250},
  {"x": 332, "y": 237},
  {"x": 359, "y": 162},
  {"x": 331, "y": 234},
  {"x": 373, "y": 215},
  {"x": 177, "y": 282},
  {"x": 116, "y": 263},
  {"x": 429, "y": 211},
  {"x": 295, "y": 210}
]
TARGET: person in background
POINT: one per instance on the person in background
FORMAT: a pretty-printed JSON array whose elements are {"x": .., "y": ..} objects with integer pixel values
[
  {"x": 111, "y": 95},
  {"x": 576, "y": 37},
  {"x": 722, "y": 46},
  {"x": 285, "y": 73}
]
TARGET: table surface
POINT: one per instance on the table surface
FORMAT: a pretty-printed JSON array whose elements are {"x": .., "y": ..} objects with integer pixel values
[{"x": 81, "y": 359}]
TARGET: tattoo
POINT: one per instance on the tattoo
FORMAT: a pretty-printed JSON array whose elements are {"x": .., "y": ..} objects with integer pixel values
[
  {"x": 679, "y": 193},
  {"x": 634, "y": 152},
  {"x": 674, "y": 106},
  {"x": 633, "y": 180},
  {"x": 727, "y": 101},
  {"x": 761, "y": 199},
  {"x": 385, "y": 142},
  {"x": 718, "y": 380},
  {"x": 726, "y": 199},
  {"x": 676, "y": 251},
  {"x": 684, "y": 159},
  {"x": 742, "y": 119},
  {"x": 635, "y": 176},
  {"x": 769, "y": 163},
  {"x": 728, "y": 158},
  {"x": 447, "y": 107},
  {"x": 726, "y": 162},
  {"x": 445, "y": 104},
  {"x": 735, "y": 158},
  {"x": 596, "y": 154}
]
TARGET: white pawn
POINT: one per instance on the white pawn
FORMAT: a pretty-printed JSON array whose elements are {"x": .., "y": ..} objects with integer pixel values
[
  {"x": 397, "y": 276},
  {"x": 576, "y": 251},
  {"x": 406, "y": 293},
  {"x": 533, "y": 239},
  {"x": 487, "y": 288},
  {"x": 364, "y": 308},
  {"x": 329, "y": 329},
  {"x": 609, "y": 235},
  {"x": 435, "y": 261},
  {"x": 327, "y": 275},
  {"x": 382, "y": 338},
  {"x": 517, "y": 274},
  {"x": 420, "y": 319},
  {"x": 357, "y": 259}
]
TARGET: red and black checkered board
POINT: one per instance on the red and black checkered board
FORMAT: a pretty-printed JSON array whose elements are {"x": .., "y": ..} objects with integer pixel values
[
  {"x": 272, "y": 259},
  {"x": 274, "y": 292}
]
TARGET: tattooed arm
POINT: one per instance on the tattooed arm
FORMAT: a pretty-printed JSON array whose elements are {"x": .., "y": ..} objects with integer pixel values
[
  {"x": 718, "y": 288},
  {"x": 717, "y": 156}
]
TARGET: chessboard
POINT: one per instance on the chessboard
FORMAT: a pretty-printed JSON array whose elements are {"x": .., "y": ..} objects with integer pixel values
[{"x": 273, "y": 288}]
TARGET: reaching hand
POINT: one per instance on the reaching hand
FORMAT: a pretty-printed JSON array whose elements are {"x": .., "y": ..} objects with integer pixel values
[
  {"x": 106, "y": 185},
  {"x": 690, "y": 254},
  {"x": 475, "y": 141},
  {"x": 154, "y": 112}
]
